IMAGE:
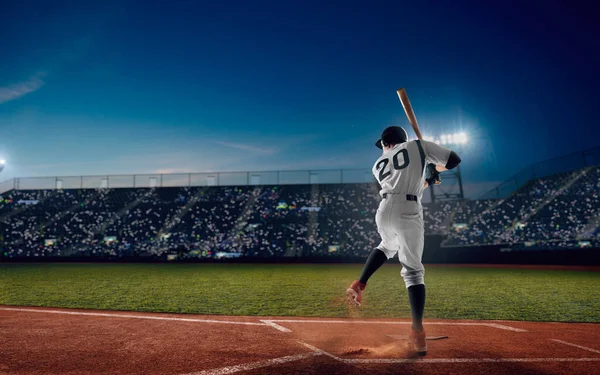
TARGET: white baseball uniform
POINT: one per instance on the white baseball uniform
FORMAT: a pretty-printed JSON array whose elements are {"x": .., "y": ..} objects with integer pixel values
[{"x": 401, "y": 173}]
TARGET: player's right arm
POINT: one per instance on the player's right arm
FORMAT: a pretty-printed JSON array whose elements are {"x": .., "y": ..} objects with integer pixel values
[{"x": 443, "y": 158}]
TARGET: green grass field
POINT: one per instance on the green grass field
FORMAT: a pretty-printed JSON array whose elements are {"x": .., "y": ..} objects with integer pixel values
[{"x": 303, "y": 290}]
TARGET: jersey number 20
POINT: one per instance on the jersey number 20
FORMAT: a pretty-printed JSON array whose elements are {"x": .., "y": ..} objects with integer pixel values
[{"x": 384, "y": 162}]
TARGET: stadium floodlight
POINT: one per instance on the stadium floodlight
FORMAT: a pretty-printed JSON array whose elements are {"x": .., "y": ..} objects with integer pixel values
[
  {"x": 460, "y": 138},
  {"x": 2, "y": 162}
]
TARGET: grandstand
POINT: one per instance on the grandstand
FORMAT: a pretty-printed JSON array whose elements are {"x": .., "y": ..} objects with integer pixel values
[
  {"x": 558, "y": 211},
  {"x": 285, "y": 215}
]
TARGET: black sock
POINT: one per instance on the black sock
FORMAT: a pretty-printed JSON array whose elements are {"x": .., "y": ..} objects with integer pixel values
[
  {"x": 375, "y": 260},
  {"x": 416, "y": 297}
]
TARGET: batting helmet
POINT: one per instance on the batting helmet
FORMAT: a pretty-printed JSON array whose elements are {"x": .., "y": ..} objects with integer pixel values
[{"x": 392, "y": 135}]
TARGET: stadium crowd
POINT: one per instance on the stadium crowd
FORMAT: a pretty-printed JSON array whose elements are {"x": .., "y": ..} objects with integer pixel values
[
  {"x": 196, "y": 221},
  {"x": 559, "y": 211}
]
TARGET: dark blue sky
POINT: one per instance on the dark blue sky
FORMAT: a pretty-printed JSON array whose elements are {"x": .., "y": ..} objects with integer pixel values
[{"x": 114, "y": 87}]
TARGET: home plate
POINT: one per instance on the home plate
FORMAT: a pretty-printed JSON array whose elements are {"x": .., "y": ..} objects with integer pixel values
[{"x": 401, "y": 337}]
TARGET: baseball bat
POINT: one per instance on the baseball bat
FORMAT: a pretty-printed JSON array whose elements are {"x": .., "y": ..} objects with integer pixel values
[{"x": 409, "y": 111}]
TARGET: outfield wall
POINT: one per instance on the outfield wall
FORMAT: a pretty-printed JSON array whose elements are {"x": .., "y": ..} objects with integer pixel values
[{"x": 433, "y": 254}]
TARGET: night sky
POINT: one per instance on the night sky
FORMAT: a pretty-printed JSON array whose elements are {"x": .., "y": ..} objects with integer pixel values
[{"x": 114, "y": 87}]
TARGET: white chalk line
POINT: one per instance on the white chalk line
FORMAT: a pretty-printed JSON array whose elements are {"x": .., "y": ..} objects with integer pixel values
[
  {"x": 577, "y": 346},
  {"x": 505, "y": 327},
  {"x": 445, "y": 360},
  {"x": 467, "y": 360},
  {"x": 255, "y": 365},
  {"x": 107, "y": 315},
  {"x": 317, "y": 350},
  {"x": 493, "y": 325},
  {"x": 276, "y": 326},
  {"x": 270, "y": 322}
]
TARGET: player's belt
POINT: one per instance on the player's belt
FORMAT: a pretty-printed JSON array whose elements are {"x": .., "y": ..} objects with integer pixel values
[{"x": 409, "y": 197}]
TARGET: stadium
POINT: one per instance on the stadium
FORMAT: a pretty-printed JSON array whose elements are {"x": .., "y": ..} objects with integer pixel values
[{"x": 194, "y": 187}]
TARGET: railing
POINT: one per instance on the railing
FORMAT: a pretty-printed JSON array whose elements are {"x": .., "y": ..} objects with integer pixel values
[
  {"x": 560, "y": 164},
  {"x": 336, "y": 176}
]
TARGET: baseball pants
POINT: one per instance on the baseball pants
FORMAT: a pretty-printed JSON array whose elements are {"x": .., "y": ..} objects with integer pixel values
[{"x": 400, "y": 225}]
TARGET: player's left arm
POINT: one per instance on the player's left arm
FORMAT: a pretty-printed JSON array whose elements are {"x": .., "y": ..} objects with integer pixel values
[
  {"x": 442, "y": 157},
  {"x": 453, "y": 161}
]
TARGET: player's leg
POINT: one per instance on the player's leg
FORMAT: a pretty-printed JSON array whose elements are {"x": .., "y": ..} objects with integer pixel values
[
  {"x": 416, "y": 298},
  {"x": 378, "y": 256},
  {"x": 375, "y": 260},
  {"x": 411, "y": 239},
  {"x": 413, "y": 274}
]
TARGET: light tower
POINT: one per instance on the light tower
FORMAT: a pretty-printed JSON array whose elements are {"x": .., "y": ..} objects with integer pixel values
[{"x": 2, "y": 164}]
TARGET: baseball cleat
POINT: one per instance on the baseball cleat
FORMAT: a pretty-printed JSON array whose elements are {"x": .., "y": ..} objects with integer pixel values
[
  {"x": 354, "y": 293},
  {"x": 417, "y": 341}
]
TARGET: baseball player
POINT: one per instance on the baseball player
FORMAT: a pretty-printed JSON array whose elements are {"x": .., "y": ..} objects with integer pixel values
[{"x": 400, "y": 171}]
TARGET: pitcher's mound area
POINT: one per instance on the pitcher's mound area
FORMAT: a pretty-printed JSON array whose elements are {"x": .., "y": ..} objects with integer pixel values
[{"x": 65, "y": 341}]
